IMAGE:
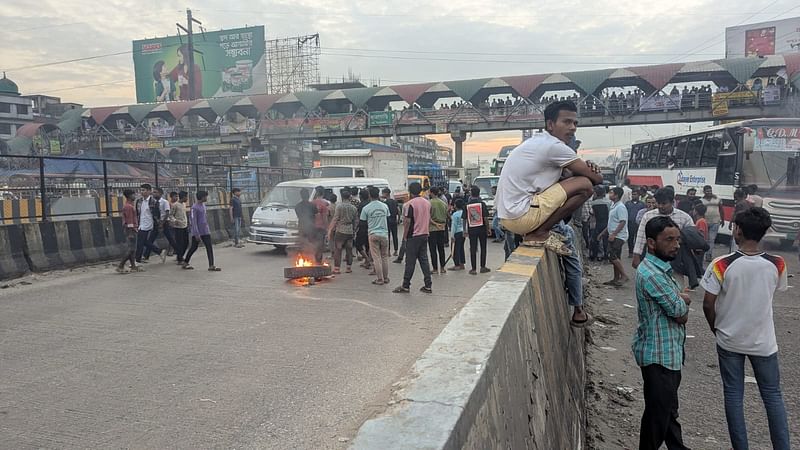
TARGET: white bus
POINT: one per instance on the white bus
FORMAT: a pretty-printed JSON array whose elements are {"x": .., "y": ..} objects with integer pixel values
[{"x": 764, "y": 152}]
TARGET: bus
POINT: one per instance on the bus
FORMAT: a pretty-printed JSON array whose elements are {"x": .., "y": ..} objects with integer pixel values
[
  {"x": 761, "y": 152},
  {"x": 502, "y": 156}
]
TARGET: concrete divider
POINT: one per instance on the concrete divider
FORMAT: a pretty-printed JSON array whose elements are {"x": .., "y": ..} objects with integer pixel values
[
  {"x": 506, "y": 372},
  {"x": 69, "y": 243},
  {"x": 12, "y": 252}
]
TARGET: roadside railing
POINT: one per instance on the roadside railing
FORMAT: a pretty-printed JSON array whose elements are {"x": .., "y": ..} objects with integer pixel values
[{"x": 42, "y": 188}]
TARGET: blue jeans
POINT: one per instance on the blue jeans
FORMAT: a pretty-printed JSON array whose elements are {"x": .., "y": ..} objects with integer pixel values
[
  {"x": 237, "y": 229},
  {"x": 713, "y": 229},
  {"x": 510, "y": 244},
  {"x": 572, "y": 266},
  {"x": 498, "y": 233},
  {"x": 765, "y": 368}
]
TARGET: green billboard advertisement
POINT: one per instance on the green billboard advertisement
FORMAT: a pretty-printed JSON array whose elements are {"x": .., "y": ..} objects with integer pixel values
[{"x": 227, "y": 62}]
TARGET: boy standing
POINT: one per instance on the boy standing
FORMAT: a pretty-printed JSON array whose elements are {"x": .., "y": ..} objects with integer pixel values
[
  {"x": 478, "y": 229},
  {"x": 341, "y": 232},
  {"x": 130, "y": 224},
  {"x": 617, "y": 232},
  {"x": 457, "y": 229},
  {"x": 417, "y": 213},
  {"x": 375, "y": 213},
  {"x": 738, "y": 307}
]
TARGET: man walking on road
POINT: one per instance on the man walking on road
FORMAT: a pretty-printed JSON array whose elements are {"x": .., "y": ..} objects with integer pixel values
[
  {"x": 530, "y": 198},
  {"x": 179, "y": 223},
  {"x": 438, "y": 231},
  {"x": 376, "y": 215},
  {"x": 658, "y": 343},
  {"x": 417, "y": 213},
  {"x": 738, "y": 307},
  {"x": 147, "y": 211},
  {"x": 201, "y": 233},
  {"x": 617, "y": 232},
  {"x": 341, "y": 232},
  {"x": 130, "y": 225},
  {"x": 236, "y": 216}
]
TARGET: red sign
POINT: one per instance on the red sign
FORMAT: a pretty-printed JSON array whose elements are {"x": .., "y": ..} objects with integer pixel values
[{"x": 759, "y": 42}]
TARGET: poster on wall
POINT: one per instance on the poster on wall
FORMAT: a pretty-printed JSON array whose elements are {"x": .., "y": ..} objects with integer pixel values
[
  {"x": 226, "y": 63},
  {"x": 759, "y": 42}
]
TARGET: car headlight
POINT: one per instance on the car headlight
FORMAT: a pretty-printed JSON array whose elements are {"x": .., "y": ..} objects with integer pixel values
[
  {"x": 255, "y": 222},
  {"x": 291, "y": 224}
]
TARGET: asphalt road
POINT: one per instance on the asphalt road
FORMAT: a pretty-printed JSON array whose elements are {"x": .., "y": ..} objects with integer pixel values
[
  {"x": 614, "y": 414},
  {"x": 192, "y": 359}
]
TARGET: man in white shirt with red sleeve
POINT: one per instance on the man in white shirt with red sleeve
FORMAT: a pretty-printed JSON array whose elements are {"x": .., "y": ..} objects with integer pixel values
[{"x": 738, "y": 307}]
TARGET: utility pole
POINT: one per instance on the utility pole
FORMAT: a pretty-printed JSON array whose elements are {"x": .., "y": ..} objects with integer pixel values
[{"x": 190, "y": 49}]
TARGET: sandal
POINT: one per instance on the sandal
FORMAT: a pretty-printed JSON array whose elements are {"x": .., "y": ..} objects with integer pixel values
[
  {"x": 187, "y": 267},
  {"x": 551, "y": 243},
  {"x": 214, "y": 269},
  {"x": 582, "y": 323},
  {"x": 378, "y": 282},
  {"x": 401, "y": 290},
  {"x": 348, "y": 270},
  {"x": 337, "y": 271}
]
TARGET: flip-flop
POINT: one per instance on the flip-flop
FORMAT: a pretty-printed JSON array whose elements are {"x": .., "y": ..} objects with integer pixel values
[
  {"x": 551, "y": 243},
  {"x": 582, "y": 323},
  {"x": 378, "y": 282}
]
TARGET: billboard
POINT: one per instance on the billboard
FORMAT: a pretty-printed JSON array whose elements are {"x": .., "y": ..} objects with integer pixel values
[
  {"x": 231, "y": 62},
  {"x": 763, "y": 39}
]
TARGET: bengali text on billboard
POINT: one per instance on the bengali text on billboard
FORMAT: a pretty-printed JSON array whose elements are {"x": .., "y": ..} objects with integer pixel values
[{"x": 227, "y": 62}]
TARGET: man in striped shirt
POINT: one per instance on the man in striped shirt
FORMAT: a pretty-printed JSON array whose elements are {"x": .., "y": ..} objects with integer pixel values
[
  {"x": 665, "y": 202},
  {"x": 658, "y": 343}
]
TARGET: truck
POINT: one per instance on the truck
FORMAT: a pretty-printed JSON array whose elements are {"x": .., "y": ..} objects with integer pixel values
[
  {"x": 500, "y": 161},
  {"x": 391, "y": 165},
  {"x": 434, "y": 172}
]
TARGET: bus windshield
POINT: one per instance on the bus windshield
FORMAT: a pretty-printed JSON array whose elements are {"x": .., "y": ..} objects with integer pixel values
[{"x": 772, "y": 159}]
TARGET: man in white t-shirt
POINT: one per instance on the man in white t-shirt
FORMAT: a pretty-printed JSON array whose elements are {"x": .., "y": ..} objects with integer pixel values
[
  {"x": 738, "y": 306},
  {"x": 530, "y": 198}
]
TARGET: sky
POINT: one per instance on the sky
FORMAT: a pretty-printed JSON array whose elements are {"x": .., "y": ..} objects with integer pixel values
[{"x": 390, "y": 42}]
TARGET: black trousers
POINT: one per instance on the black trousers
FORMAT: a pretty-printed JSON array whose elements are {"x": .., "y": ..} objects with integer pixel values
[
  {"x": 169, "y": 234},
  {"x": 392, "y": 236},
  {"x": 206, "y": 239},
  {"x": 143, "y": 241},
  {"x": 477, "y": 236},
  {"x": 436, "y": 242},
  {"x": 459, "y": 257},
  {"x": 660, "y": 418},
  {"x": 151, "y": 239},
  {"x": 633, "y": 228},
  {"x": 417, "y": 250},
  {"x": 181, "y": 236}
]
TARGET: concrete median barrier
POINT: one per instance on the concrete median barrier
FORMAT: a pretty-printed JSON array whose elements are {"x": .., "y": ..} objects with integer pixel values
[
  {"x": 69, "y": 243},
  {"x": 507, "y": 372},
  {"x": 12, "y": 252}
]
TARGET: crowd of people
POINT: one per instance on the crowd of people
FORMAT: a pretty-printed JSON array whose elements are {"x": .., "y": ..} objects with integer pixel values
[
  {"x": 362, "y": 224},
  {"x": 150, "y": 215},
  {"x": 544, "y": 185}
]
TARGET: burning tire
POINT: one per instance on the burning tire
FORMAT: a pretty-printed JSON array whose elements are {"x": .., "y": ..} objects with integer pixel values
[{"x": 307, "y": 272}]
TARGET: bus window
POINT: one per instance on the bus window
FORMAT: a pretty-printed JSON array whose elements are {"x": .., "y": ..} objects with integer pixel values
[
  {"x": 644, "y": 159},
  {"x": 635, "y": 156},
  {"x": 693, "y": 151},
  {"x": 726, "y": 162},
  {"x": 711, "y": 150},
  {"x": 667, "y": 151},
  {"x": 680, "y": 151}
]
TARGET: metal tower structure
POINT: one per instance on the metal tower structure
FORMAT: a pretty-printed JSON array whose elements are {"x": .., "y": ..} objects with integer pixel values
[{"x": 293, "y": 63}]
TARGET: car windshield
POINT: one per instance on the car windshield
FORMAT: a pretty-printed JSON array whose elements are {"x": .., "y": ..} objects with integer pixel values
[
  {"x": 286, "y": 196},
  {"x": 486, "y": 183}
]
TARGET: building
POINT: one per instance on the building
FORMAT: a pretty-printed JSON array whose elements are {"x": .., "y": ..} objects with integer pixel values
[
  {"x": 15, "y": 110},
  {"x": 48, "y": 107}
]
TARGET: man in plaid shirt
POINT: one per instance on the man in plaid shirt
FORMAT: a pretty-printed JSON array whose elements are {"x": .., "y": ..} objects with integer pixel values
[{"x": 660, "y": 336}]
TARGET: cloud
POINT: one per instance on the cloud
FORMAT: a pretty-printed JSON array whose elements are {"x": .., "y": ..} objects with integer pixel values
[{"x": 410, "y": 40}]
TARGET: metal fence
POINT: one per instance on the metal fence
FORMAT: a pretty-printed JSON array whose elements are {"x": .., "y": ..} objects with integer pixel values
[{"x": 41, "y": 188}]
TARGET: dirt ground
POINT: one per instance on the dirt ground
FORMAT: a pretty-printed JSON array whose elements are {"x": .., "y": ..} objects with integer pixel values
[{"x": 614, "y": 387}]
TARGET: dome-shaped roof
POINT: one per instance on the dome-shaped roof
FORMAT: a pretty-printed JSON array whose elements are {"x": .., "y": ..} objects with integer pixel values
[{"x": 8, "y": 87}]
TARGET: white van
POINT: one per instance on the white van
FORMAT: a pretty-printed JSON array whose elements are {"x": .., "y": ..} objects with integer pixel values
[{"x": 274, "y": 222}]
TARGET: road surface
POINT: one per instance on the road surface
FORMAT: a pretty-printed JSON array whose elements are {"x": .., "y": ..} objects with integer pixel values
[{"x": 191, "y": 359}]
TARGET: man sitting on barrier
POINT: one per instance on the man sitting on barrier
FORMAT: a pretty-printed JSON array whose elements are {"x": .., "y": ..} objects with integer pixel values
[{"x": 530, "y": 198}]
